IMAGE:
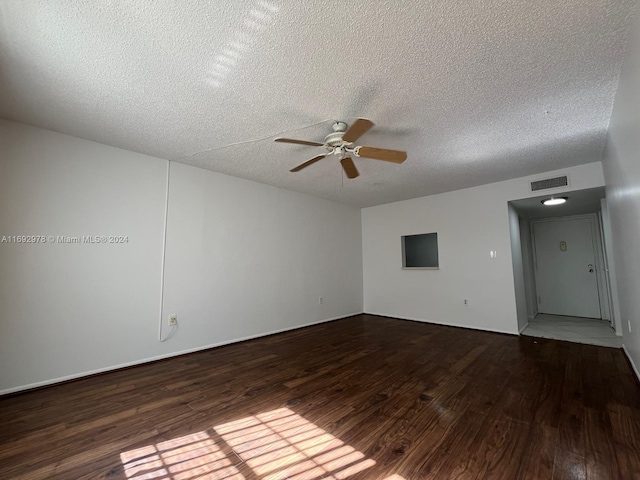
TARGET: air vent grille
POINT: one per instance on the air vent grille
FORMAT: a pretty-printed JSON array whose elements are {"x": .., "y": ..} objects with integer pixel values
[{"x": 548, "y": 183}]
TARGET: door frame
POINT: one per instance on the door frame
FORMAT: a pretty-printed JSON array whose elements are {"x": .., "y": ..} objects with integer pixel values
[
  {"x": 604, "y": 300},
  {"x": 609, "y": 266}
]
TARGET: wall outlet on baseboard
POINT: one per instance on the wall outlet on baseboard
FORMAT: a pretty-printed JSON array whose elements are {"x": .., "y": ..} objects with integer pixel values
[{"x": 173, "y": 320}]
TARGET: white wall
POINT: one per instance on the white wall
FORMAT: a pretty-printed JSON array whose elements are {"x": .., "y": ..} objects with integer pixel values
[
  {"x": 242, "y": 259},
  {"x": 72, "y": 308},
  {"x": 245, "y": 258},
  {"x": 470, "y": 223},
  {"x": 622, "y": 173}
]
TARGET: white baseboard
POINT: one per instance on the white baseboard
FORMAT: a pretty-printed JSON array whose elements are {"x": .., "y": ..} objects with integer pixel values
[
  {"x": 633, "y": 365},
  {"x": 168, "y": 355},
  {"x": 423, "y": 320}
]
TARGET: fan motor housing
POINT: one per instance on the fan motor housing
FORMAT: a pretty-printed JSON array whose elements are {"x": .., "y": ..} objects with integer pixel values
[{"x": 334, "y": 139}]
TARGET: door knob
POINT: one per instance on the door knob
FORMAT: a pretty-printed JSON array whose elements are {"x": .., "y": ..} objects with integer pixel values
[{"x": 590, "y": 268}]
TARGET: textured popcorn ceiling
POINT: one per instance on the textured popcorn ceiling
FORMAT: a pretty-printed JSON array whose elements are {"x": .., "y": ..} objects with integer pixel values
[{"x": 475, "y": 91}]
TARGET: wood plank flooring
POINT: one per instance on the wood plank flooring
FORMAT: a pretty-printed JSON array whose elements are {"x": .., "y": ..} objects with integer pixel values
[{"x": 361, "y": 398}]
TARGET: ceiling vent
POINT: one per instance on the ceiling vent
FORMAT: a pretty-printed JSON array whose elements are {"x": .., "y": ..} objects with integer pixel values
[{"x": 548, "y": 183}]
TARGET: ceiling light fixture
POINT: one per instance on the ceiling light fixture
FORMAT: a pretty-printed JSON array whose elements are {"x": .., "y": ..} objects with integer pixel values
[{"x": 554, "y": 201}]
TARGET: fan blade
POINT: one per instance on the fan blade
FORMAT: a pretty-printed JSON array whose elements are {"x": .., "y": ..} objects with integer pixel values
[
  {"x": 355, "y": 131},
  {"x": 349, "y": 167},
  {"x": 395, "y": 156},
  {"x": 307, "y": 163},
  {"x": 299, "y": 142}
]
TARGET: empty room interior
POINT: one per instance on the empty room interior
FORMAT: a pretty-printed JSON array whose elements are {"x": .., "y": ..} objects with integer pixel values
[{"x": 259, "y": 239}]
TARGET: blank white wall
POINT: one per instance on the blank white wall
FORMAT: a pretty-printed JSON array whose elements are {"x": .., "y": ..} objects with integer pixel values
[
  {"x": 470, "y": 223},
  {"x": 73, "y": 308},
  {"x": 243, "y": 259},
  {"x": 622, "y": 172}
]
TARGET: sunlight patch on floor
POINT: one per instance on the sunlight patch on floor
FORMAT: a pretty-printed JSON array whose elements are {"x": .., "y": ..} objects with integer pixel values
[
  {"x": 276, "y": 445},
  {"x": 280, "y": 444},
  {"x": 191, "y": 457}
]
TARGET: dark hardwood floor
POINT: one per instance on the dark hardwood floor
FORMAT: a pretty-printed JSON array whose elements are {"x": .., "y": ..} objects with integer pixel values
[{"x": 361, "y": 398}]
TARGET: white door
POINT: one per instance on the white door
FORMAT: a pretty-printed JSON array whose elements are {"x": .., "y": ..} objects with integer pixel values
[{"x": 566, "y": 279}]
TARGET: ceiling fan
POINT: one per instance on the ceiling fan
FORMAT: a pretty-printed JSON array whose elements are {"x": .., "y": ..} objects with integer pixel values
[{"x": 341, "y": 143}]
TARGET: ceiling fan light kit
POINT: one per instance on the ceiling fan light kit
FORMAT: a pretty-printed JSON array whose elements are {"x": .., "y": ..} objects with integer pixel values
[{"x": 341, "y": 143}]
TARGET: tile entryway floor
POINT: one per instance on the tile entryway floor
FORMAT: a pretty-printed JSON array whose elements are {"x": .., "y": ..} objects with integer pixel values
[{"x": 591, "y": 331}]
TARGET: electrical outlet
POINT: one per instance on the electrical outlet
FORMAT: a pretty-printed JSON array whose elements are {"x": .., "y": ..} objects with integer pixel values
[
  {"x": 173, "y": 320},
  {"x": 629, "y": 325},
  {"x": 465, "y": 302},
  {"x": 320, "y": 300}
]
